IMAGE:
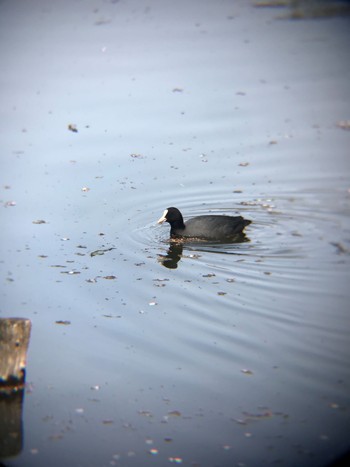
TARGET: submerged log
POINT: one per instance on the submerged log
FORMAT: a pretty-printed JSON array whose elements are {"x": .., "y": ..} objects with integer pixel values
[{"x": 14, "y": 340}]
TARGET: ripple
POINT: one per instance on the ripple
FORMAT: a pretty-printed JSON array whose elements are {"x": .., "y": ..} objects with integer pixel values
[{"x": 282, "y": 256}]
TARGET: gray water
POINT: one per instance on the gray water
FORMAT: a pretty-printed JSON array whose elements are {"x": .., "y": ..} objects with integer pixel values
[{"x": 148, "y": 353}]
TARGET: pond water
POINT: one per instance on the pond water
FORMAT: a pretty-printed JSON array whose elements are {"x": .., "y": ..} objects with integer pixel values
[{"x": 146, "y": 352}]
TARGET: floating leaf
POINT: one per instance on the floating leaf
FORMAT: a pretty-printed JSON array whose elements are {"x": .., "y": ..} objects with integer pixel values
[
  {"x": 101, "y": 252},
  {"x": 39, "y": 221},
  {"x": 174, "y": 413},
  {"x": 246, "y": 372},
  {"x": 137, "y": 156},
  {"x": 72, "y": 127},
  {"x": 108, "y": 422},
  {"x": 176, "y": 460},
  {"x": 344, "y": 124}
]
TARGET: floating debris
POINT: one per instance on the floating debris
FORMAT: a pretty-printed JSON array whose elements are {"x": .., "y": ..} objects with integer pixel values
[
  {"x": 39, "y": 221},
  {"x": 344, "y": 124},
  {"x": 246, "y": 372},
  {"x": 85, "y": 189},
  {"x": 10, "y": 204},
  {"x": 153, "y": 451},
  {"x": 63, "y": 323},
  {"x": 258, "y": 416},
  {"x": 56, "y": 436},
  {"x": 137, "y": 156},
  {"x": 159, "y": 282},
  {"x": 109, "y": 277},
  {"x": 97, "y": 253},
  {"x": 341, "y": 249},
  {"x": 72, "y": 127},
  {"x": 178, "y": 90},
  {"x": 243, "y": 164},
  {"x": 101, "y": 22},
  {"x": 101, "y": 252},
  {"x": 175, "y": 413},
  {"x": 176, "y": 460}
]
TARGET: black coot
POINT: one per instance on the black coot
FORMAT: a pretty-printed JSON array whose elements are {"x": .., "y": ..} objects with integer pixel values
[{"x": 204, "y": 227}]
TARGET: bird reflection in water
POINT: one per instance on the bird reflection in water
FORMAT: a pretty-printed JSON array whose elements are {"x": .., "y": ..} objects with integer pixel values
[
  {"x": 172, "y": 256},
  {"x": 176, "y": 246}
]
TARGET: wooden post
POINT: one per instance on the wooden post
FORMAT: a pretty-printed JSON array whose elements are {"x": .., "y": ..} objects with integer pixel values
[{"x": 14, "y": 340}]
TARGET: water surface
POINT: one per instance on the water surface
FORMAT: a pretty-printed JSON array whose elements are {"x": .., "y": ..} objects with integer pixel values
[{"x": 145, "y": 352}]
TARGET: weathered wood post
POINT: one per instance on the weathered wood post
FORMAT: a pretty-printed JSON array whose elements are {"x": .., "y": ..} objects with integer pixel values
[{"x": 14, "y": 341}]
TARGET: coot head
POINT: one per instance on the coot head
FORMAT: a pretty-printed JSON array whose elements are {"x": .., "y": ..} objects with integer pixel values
[{"x": 173, "y": 216}]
